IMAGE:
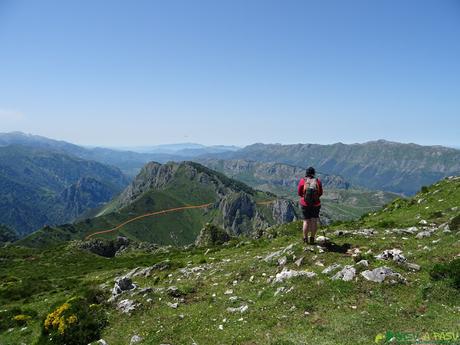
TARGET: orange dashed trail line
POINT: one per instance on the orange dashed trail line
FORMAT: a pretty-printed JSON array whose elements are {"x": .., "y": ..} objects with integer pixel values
[{"x": 157, "y": 213}]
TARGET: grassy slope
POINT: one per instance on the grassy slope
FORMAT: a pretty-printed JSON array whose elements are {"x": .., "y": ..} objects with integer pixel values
[
  {"x": 176, "y": 228},
  {"x": 339, "y": 312}
]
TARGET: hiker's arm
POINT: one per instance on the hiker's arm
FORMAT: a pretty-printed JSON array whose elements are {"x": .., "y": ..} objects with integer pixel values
[
  {"x": 320, "y": 189},
  {"x": 300, "y": 188}
]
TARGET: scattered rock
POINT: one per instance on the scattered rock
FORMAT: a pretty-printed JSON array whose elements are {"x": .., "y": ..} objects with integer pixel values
[
  {"x": 299, "y": 261},
  {"x": 282, "y": 261},
  {"x": 173, "y": 291},
  {"x": 365, "y": 232},
  {"x": 272, "y": 256},
  {"x": 331, "y": 268},
  {"x": 423, "y": 234},
  {"x": 279, "y": 290},
  {"x": 173, "y": 305},
  {"x": 135, "y": 339},
  {"x": 423, "y": 222},
  {"x": 101, "y": 342},
  {"x": 241, "y": 309},
  {"x": 322, "y": 240},
  {"x": 126, "y": 306},
  {"x": 288, "y": 274},
  {"x": 392, "y": 254},
  {"x": 381, "y": 274},
  {"x": 363, "y": 263},
  {"x": 121, "y": 285},
  {"x": 412, "y": 266},
  {"x": 346, "y": 274}
]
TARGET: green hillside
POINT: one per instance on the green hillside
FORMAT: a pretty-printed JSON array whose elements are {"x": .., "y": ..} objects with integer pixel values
[
  {"x": 241, "y": 292},
  {"x": 39, "y": 187},
  {"x": 161, "y": 187}
]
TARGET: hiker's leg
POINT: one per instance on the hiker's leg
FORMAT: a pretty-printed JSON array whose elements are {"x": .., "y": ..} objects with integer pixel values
[
  {"x": 305, "y": 229},
  {"x": 313, "y": 226}
]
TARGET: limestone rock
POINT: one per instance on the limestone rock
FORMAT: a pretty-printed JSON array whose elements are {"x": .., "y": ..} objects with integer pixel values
[
  {"x": 288, "y": 274},
  {"x": 241, "y": 309},
  {"x": 381, "y": 274},
  {"x": 392, "y": 254},
  {"x": 346, "y": 274},
  {"x": 126, "y": 306},
  {"x": 331, "y": 268}
]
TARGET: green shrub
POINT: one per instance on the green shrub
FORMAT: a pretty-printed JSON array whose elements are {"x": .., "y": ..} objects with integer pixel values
[
  {"x": 455, "y": 223},
  {"x": 424, "y": 189},
  {"x": 449, "y": 271},
  {"x": 75, "y": 322},
  {"x": 15, "y": 317},
  {"x": 435, "y": 214},
  {"x": 24, "y": 288}
]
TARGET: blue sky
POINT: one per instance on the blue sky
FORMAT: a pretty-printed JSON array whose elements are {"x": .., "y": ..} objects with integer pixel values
[{"x": 121, "y": 73}]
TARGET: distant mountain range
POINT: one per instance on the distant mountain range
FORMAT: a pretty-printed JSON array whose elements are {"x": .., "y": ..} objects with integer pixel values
[
  {"x": 341, "y": 200},
  {"x": 128, "y": 161},
  {"x": 378, "y": 165},
  {"x": 233, "y": 207},
  {"x": 39, "y": 187},
  {"x": 375, "y": 165}
]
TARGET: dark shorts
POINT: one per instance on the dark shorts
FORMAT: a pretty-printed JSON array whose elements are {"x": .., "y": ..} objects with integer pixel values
[{"x": 310, "y": 212}]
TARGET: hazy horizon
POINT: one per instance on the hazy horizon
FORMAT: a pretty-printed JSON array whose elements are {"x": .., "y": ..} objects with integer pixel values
[{"x": 159, "y": 145}]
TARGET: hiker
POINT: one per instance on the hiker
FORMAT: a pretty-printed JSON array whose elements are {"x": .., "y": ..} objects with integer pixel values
[{"x": 310, "y": 189}]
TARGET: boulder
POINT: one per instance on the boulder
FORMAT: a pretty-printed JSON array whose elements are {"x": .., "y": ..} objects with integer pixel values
[
  {"x": 135, "y": 339},
  {"x": 282, "y": 261},
  {"x": 392, "y": 254},
  {"x": 126, "y": 306},
  {"x": 331, "y": 268},
  {"x": 288, "y": 274},
  {"x": 363, "y": 263},
  {"x": 383, "y": 274},
  {"x": 173, "y": 291},
  {"x": 121, "y": 285},
  {"x": 323, "y": 240},
  {"x": 346, "y": 274},
  {"x": 422, "y": 234}
]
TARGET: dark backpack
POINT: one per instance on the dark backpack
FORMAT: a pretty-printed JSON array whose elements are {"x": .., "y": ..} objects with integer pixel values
[{"x": 310, "y": 190}]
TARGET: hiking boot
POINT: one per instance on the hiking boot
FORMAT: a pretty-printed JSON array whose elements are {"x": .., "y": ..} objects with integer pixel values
[
  {"x": 305, "y": 240},
  {"x": 312, "y": 240}
]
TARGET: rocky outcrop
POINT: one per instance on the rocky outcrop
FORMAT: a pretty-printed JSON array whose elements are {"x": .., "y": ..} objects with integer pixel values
[
  {"x": 87, "y": 193},
  {"x": 211, "y": 235},
  {"x": 106, "y": 248},
  {"x": 383, "y": 274},
  {"x": 283, "y": 211},
  {"x": 237, "y": 210}
]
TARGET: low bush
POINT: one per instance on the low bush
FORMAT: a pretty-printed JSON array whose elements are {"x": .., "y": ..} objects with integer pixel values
[
  {"x": 15, "y": 317},
  {"x": 449, "y": 271},
  {"x": 75, "y": 322},
  {"x": 454, "y": 224}
]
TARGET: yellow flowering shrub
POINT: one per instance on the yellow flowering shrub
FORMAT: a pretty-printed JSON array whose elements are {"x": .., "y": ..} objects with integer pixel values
[{"x": 74, "y": 322}]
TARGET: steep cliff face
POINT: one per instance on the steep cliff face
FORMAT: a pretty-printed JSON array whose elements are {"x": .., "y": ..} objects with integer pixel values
[{"x": 85, "y": 194}]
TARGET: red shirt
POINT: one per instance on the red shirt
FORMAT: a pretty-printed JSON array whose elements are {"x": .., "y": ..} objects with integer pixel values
[{"x": 300, "y": 192}]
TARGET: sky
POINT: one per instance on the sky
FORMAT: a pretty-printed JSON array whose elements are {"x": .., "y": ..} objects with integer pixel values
[{"x": 137, "y": 73}]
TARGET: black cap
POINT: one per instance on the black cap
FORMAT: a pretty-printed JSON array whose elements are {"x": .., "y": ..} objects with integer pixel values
[{"x": 310, "y": 172}]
